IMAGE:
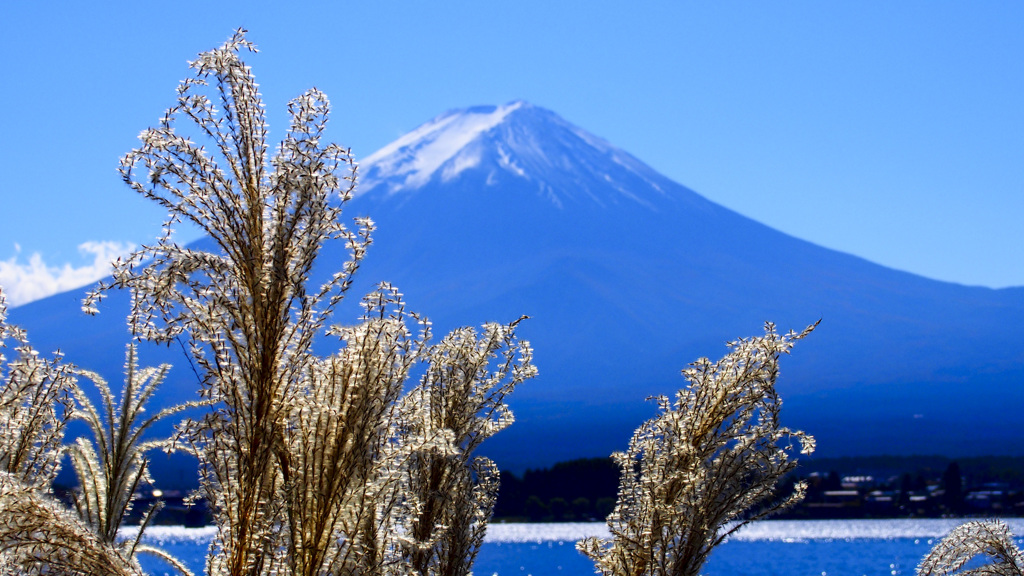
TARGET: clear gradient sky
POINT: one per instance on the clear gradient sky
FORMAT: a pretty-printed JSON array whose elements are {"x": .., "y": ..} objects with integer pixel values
[{"x": 890, "y": 130}]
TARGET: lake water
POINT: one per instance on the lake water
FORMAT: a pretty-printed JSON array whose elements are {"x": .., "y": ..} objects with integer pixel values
[{"x": 790, "y": 547}]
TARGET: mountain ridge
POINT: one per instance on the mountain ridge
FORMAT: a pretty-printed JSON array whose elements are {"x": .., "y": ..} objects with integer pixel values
[
  {"x": 628, "y": 276},
  {"x": 842, "y": 289}
]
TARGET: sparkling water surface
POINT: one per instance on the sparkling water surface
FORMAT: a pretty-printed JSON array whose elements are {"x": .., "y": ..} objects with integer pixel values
[{"x": 772, "y": 547}]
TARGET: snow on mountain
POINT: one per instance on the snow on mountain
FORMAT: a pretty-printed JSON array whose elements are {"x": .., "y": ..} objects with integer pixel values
[
  {"x": 441, "y": 144},
  {"x": 517, "y": 141}
]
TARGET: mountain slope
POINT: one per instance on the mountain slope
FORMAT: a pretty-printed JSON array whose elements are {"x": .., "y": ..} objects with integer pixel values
[{"x": 493, "y": 212}]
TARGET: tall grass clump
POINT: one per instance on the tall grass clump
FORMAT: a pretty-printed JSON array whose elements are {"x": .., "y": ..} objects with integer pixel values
[
  {"x": 709, "y": 463},
  {"x": 35, "y": 406},
  {"x": 988, "y": 543},
  {"x": 38, "y": 533},
  {"x": 311, "y": 464},
  {"x": 112, "y": 465}
]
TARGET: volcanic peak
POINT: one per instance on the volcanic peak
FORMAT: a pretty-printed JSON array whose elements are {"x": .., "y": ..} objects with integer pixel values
[{"x": 515, "y": 144}]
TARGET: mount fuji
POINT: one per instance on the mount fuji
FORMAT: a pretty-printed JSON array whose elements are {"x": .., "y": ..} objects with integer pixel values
[{"x": 489, "y": 213}]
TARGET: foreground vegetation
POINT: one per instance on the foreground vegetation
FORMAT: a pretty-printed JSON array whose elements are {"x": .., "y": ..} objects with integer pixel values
[
  {"x": 309, "y": 464},
  {"x": 362, "y": 461}
]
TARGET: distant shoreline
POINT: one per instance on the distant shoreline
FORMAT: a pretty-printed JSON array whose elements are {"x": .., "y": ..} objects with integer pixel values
[{"x": 762, "y": 530}]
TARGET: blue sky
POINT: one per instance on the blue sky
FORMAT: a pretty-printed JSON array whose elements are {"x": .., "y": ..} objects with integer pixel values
[{"x": 893, "y": 131}]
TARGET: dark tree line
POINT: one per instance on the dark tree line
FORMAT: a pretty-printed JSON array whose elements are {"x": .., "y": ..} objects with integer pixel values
[
  {"x": 578, "y": 490},
  {"x": 584, "y": 489}
]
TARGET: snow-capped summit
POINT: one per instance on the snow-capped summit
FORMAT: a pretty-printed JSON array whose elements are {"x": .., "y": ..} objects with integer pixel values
[
  {"x": 514, "y": 144},
  {"x": 443, "y": 143}
]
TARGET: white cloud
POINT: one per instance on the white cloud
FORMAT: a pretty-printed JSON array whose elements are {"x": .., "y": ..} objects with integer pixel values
[{"x": 27, "y": 281}]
